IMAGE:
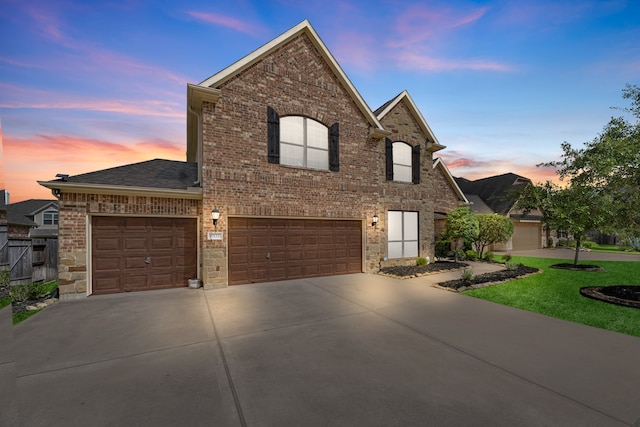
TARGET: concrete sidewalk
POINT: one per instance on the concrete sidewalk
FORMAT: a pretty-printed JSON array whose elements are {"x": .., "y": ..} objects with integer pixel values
[{"x": 343, "y": 351}]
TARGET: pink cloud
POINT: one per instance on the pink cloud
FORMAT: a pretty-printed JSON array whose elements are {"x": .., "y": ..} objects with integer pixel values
[
  {"x": 357, "y": 49},
  {"x": 59, "y": 100},
  {"x": 71, "y": 155},
  {"x": 229, "y": 22},
  {"x": 413, "y": 60}
]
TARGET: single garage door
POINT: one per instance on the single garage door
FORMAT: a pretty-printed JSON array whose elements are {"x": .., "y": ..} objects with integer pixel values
[
  {"x": 268, "y": 249},
  {"x": 135, "y": 254},
  {"x": 527, "y": 235}
]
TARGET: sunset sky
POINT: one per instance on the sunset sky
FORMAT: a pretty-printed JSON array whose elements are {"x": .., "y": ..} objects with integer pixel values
[{"x": 87, "y": 85}]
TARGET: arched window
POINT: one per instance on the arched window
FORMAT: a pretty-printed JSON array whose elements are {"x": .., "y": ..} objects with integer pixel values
[
  {"x": 402, "y": 162},
  {"x": 304, "y": 142},
  {"x": 301, "y": 141}
]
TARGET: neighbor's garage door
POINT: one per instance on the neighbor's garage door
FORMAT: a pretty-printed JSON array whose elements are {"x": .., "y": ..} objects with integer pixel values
[
  {"x": 265, "y": 249},
  {"x": 135, "y": 254},
  {"x": 527, "y": 235}
]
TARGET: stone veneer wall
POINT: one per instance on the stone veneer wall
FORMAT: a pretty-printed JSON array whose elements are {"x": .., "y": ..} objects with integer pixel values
[{"x": 74, "y": 212}]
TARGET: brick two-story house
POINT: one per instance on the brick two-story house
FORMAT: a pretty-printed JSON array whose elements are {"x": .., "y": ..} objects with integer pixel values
[{"x": 288, "y": 174}]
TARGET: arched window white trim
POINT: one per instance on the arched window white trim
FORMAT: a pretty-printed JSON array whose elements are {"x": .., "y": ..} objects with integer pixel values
[
  {"x": 304, "y": 142},
  {"x": 402, "y": 165}
]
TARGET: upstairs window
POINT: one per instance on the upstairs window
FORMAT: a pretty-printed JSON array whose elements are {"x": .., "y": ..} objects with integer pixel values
[
  {"x": 402, "y": 170},
  {"x": 303, "y": 142},
  {"x": 402, "y": 162},
  {"x": 50, "y": 218}
]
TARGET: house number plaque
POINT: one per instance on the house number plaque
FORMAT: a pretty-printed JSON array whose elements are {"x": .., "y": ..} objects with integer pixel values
[{"x": 214, "y": 235}]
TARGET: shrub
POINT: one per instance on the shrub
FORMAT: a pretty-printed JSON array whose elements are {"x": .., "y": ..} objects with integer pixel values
[
  {"x": 467, "y": 274},
  {"x": 550, "y": 242},
  {"x": 422, "y": 261},
  {"x": 506, "y": 257},
  {"x": 443, "y": 248},
  {"x": 489, "y": 256},
  {"x": 511, "y": 265},
  {"x": 562, "y": 243},
  {"x": 471, "y": 255},
  {"x": 460, "y": 255},
  {"x": 21, "y": 293}
]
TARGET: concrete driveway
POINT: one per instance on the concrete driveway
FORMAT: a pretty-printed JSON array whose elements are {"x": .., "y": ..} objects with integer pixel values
[{"x": 353, "y": 350}]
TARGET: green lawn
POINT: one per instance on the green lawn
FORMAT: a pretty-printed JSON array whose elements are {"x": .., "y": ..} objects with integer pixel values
[{"x": 556, "y": 293}]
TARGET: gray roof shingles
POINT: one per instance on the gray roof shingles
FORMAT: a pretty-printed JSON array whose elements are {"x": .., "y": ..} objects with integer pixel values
[
  {"x": 495, "y": 191},
  {"x": 156, "y": 173}
]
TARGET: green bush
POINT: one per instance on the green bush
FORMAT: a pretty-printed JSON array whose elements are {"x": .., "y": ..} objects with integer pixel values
[
  {"x": 460, "y": 255},
  {"x": 467, "y": 274},
  {"x": 31, "y": 291},
  {"x": 506, "y": 258},
  {"x": 511, "y": 265},
  {"x": 443, "y": 248},
  {"x": 421, "y": 261},
  {"x": 471, "y": 255},
  {"x": 489, "y": 256},
  {"x": 562, "y": 243}
]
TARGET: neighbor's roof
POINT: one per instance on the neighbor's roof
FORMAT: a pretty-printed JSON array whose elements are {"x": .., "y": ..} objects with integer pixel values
[
  {"x": 433, "y": 144},
  {"x": 477, "y": 205},
  {"x": 17, "y": 218},
  {"x": 31, "y": 207},
  {"x": 168, "y": 178},
  {"x": 495, "y": 191}
]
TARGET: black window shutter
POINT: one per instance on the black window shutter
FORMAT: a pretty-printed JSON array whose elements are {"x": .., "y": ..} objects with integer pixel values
[
  {"x": 415, "y": 163},
  {"x": 273, "y": 135},
  {"x": 388, "y": 149},
  {"x": 334, "y": 147}
]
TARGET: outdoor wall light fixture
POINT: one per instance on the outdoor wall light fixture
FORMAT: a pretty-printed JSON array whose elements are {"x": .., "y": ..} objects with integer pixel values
[
  {"x": 375, "y": 220},
  {"x": 215, "y": 215}
]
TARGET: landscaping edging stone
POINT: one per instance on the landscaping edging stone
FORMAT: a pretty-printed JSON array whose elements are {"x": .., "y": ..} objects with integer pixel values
[
  {"x": 483, "y": 280},
  {"x": 413, "y": 271}
]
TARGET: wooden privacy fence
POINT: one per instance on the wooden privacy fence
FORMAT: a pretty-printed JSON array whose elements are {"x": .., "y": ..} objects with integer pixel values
[{"x": 20, "y": 260}]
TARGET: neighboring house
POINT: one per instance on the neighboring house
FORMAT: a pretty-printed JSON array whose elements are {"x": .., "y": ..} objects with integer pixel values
[
  {"x": 495, "y": 195},
  {"x": 42, "y": 218},
  {"x": 289, "y": 174}
]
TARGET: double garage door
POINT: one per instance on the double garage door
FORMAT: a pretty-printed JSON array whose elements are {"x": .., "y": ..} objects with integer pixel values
[
  {"x": 270, "y": 249},
  {"x": 134, "y": 254}
]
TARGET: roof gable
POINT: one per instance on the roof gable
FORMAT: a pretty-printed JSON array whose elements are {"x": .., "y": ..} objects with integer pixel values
[
  {"x": 31, "y": 207},
  {"x": 405, "y": 98},
  {"x": 304, "y": 27},
  {"x": 439, "y": 164}
]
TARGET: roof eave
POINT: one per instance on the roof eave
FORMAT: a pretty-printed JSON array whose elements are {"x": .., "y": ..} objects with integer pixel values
[
  {"x": 194, "y": 193},
  {"x": 433, "y": 145},
  {"x": 447, "y": 174}
]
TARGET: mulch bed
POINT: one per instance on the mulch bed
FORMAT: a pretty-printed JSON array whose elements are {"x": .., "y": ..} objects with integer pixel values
[
  {"x": 579, "y": 267},
  {"x": 625, "y": 295},
  {"x": 486, "y": 279},
  {"x": 410, "y": 271}
]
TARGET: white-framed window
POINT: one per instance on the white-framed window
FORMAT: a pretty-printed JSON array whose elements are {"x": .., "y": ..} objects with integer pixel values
[
  {"x": 50, "y": 218},
  {"x": 402, "y": 166},
  {"x": 304, "y": 142},
  {"x": 402, "y": 237}
]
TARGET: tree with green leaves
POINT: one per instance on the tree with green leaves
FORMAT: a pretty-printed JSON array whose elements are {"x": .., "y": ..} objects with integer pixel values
[
  {"x": 576, "y": 209},
  {"x": 611, "y": 163},
  {"x": 462, "y": 223},
  {"x": 492, "y": 229}
]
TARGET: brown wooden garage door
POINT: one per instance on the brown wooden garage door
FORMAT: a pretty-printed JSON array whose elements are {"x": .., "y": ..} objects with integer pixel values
[
  {"x": 266, "y": 249},
  {"x": 527, "y": 235},
  {"x": 135, "y": 254}
]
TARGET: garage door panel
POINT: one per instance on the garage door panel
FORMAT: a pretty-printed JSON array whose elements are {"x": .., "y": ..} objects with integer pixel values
[
  {"x": 298, "y": 248},
  {"x": 120, "y": 246}
]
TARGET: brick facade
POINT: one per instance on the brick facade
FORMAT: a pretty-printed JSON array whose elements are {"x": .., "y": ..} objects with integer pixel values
[
  {"x": 74, "y": 215},
  {"x": 295, "y": 77}
]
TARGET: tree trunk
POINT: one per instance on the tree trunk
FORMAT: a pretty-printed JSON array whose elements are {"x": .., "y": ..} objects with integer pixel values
[{"x": 575, "y": 260}]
